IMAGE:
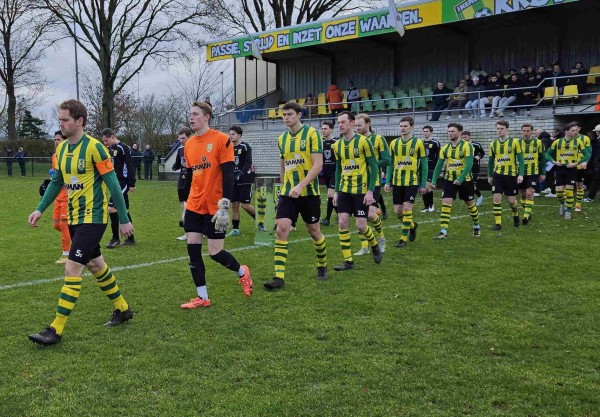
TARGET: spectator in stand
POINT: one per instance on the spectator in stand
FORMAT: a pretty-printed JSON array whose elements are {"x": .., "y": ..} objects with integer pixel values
[
  {"x": 478, "y": 72},
  {"x": 441, "y": 96},
  {"x": 20, "y": 157},
  {"x": 531, "y": 70},
  {"x": 523, "y": 73},
  {"x": 458, "y": 99},
  {"x": 310, "y": 104},
  {"x": 495, "y": 90},
  {"x": 594, "y": 166},
  {"x": 136, "y": 157},
  {"x": 352, "y": 93},
  {"x": 540, "y": 80},
  {"x": 467, "y": 79},
  {"x": 8, "y": 154},
  {"x": 148, "y": 157},
  {"x": 580, "y": 82},
  {"x": 511, "y": 72},
  {"x": 476, "y": 91},
  {"x": 560, "y": 82},
  {"x": 335, "y": 97},
  {"x": 500, "y": 76},
  {"x": 530, "y": 94},
  {"x": 511, "y": 96}
]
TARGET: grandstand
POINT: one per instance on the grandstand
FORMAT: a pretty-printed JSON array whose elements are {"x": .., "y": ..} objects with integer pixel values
[{"x": 396, "y": 76}]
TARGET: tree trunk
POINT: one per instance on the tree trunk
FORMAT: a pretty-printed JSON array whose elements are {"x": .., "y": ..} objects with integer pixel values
[{"x": 11, "y": 110}]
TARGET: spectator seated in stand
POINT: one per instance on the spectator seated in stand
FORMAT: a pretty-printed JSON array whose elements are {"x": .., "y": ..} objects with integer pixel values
[
  {"x": 560, "y": 82},
  {"x": 352, "y": 93},
  {"x": 523, "y": 73},
  {"x": 492, "y": 97},
  {"x": 475, "y": 92},
  {"x": 540, "y": 78},
  {"x": 458, "y": 99},
  {"x": 580, "y": 82},
  {"x": 440, "y": 100},
  {"x": 467, "y": 79},
  {"x": 511, "y": 95},
  {"x": 528, "y": 96},
  {"x": 310, "y": 104}
]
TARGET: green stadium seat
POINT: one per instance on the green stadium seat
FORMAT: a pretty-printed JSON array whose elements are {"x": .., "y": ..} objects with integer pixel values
[
  {"x": 379, "y": 105},
  {"x": 386, "y": 93},
  {"x": 406, "y": 103},
  {"x": 393, "y": 104},
  {"x": 400, "y": 92},
  {"x": 420, "y": 103},
  {"x": 413, "y": 92},
  {"x": 355, "y": 107},
  {"x": 367, "y": 106}
]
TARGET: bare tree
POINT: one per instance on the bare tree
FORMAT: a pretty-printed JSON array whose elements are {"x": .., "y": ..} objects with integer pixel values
[
  {"x": 152, "y": 116},
  {"x": 124, "y": 36},
  {"x": 25, "y": 36}
]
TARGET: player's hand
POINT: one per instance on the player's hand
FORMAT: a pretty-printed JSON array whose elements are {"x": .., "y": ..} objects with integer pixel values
[
  {"x": 296, "y": 191},
  {"x": 457, "y": 182},
  {"x": 221, "y": 217},
  {"x": 33, "y": 218},
  {"x": 368, "y": 200},
  {"x": 477, "y": 157},
  {"x": 335, "y": 197},
  {"x": 431, "y": 186},
  {"x": 572, "y": 165},
  {"x": 583, "y": 165},
  {"x": 126, "y": 229},
  {"x": 132, "y": 189},
  {"x": 386, "y": 188},
  {"x": 519, "y": 179},
  {"x": 490, "y": 180},
  {"x": 558, "y": 164},
  {"x": 542, "y": 178},
  {"x": 422, "y": 190}
]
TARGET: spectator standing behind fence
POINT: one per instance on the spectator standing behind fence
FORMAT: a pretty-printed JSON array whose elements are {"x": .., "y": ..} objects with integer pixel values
[
  {"x": 148, "y": 157},
  {"x": 8, "y": 154},
  {"x": 20, "y": 157},
  {"x": 478, "y": 72},
  {"x": 440, "y": 100},
  {"x": 495, "y": 90},
  {"x": 580, "y": 82},
  {"x": 334, "y": 97},
  {"x": 310, "y": 104},
  {"x": 473, "y": 96},
  {"x": 352, "y": 93},
  {"x": 458, "y": 100},
  {"x": 136, "y": 157}
]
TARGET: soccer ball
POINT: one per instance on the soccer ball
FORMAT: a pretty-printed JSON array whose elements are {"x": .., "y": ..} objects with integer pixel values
[{"x": 485, "y": 12}]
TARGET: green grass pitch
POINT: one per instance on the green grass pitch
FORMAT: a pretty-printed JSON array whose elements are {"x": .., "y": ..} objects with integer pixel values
[{"x": 504, "y": 325}]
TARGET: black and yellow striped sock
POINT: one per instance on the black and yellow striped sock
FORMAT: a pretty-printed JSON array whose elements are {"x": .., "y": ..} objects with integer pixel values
[
  {"x": 528, "y": 208},
  {"x": 515, "y": 209},
  {"x": 344, "y": 236},
  {"x": 560, "y": 195},
  {"x": 363, "y": 242},
  {"x": 108, "y": 284},
  {"x": 474, "y": 213},
  {"x": 69, "y": 294},
  {"x": 281, "y": 253},
  {"x": 321, "y": 249},
  {"x": 579, "y": 195},
  {"x": 497, "y": 213},
  {"x": 261, "y": 208},
  {"x": 370, "y": 236},
  {"x": 407, "y": 223},
  {"x": 569, "y": 198},
  {"x": 445, "y": 216},
  {"x": 377, "y": 226}
]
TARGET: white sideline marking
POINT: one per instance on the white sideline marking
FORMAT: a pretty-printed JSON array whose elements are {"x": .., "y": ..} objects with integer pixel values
[{"x": 183, "y": 258}]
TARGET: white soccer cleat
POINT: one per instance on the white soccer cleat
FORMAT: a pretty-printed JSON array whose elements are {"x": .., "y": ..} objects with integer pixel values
[
  {"x": 381, "y": 242},
  {"x": 362, "y": 251}
]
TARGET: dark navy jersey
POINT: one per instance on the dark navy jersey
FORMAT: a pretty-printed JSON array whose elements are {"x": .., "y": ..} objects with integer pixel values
[
  {"x": 432, "y": 150},
  {"x": 180, "y": 165},
  {"x": 243, "y": 172},
  {"x": 477, "y": 151},
  {"x": 120, "y": 154},
  {"x": 328, "y": 157}
]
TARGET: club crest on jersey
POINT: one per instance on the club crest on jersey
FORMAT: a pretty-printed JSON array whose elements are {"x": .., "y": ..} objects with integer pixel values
[
  {"x": 412, "y": 152},
  {"x": 81, "y": 164},
  {"x": 240, "y": 151},
  {"x": 356, "y": 152},
  {"x": 327, "y": 154},
  {"x": 204, "y": 158},
  {"x": 509, "y": 149},
  {"x": 209, "y": 147},
  {"x": 303, "y": 144}
]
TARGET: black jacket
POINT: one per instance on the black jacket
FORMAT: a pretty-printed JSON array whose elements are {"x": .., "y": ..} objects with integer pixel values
[
  {"x": 438, "y": 98},
  {"x": 474, "y": 90}
]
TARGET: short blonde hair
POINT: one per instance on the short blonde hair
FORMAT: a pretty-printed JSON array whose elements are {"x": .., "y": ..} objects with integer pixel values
[
  {"x": 205, "y": 107},
  {"x": 365, "y": 117}
]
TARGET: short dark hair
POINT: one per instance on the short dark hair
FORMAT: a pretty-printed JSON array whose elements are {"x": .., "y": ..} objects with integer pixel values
[
  {"x": 503, "y": 123},
  {"x": 292, "y": 105},
  {"x": 527, "y": 125},
  {"x": 350, "y": 115},
  {"x": 466, "y": 132},
  {"x": 185, "y": 131},
  {"x": 456, "y": 125},
  {"x": 576, "y": 123},
  {"x": 408, "y": 119},
  {"x": 328, "y": 123},
  {"x": 237, "y": 129},
  {"x": 58, "y": 132},
  {"x": 572, "y": 124},
  {"x": 107, "y": 132},
  {"x": 428, "y": 127},
  {"x": 205, "y": 107},
  {"x": 76, "y": 109}
]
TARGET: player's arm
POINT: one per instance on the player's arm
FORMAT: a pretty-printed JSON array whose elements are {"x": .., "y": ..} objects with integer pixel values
[
  {"x": 549, "y": 155},
  {"x": 338, "y": 174},
  {"x": 585, "y": 158},
  {"x": 424, "y": 171},
  {"x": 281, "y": 170},
  {"x": 467, "y": 170},
  {"x": 389, "y": 174},
  {"x": 521, "y": 161},
  {"x": 187, "y": 185},
  {"x": 248, "y": 163},
  {"x": 177, "y": 164},
  {"x": 373, "y": 172},
  {"x": 112, "y": 183},
  {"x": 384, "y": 155},
  {"x": 227, "y": 168},
  {"x": 437, "y": 170},
  {"x": 542, "y": 162},
  {"x": 129, "y": 165},
  {"x": 54, "y": 187}
]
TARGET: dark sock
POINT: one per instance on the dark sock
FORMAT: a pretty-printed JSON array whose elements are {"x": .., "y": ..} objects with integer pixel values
[
  {"x": 114, "y": 225},
  {"x": 329, "y": 207},
  {"x": 236, "y": 224},
  {"x": 227, "y": 260},
  {"x": 197, "y": 264},
  {"x": 130, "y": 221},
  {"x": 382, "y": 204}
]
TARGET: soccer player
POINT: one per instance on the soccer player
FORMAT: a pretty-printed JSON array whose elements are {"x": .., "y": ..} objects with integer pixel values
[
  {"x": 535, "y": 168},
  {"x": 120, "y": 155},
  {"x": 59, "y": 215},
  {"x": 382, "y": 155},
  {"x": 183, "y": 190},
  {"x": 432, "y": 150},
  {"x": 505, "y": 171},
  {"x": 407, "y": 153},
  {"x": 301, "y": 151},
  {"x": 567, "y": 154},
  {"x": 210, "y": 163},
  {"x": 478, "y": 155},
  {"x": 458, "y": 157},
  {"x": 328, "y": 168},
  {"x": 85, "y": 169},
  {"x": 244, "y": 178},
  {"x": 356, "y": 172},
  {"x": 580, "y": 189}
]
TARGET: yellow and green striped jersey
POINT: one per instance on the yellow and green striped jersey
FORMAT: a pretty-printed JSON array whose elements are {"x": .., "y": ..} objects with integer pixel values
[
  {"x": 456, "y": 159},
  {"x": 567, "y": 151},
  {"x": 379, "y": 146},
  {"x": 533, "y": 151},
  {"x": 352, "y": 156},
  {"x": 296, "y": 154},
  {"x": 81, "y": 167},
  {"x": 405, "y": 160},
  {"x": 505, "y": 156},
  {"x": 587, "y": 143}
]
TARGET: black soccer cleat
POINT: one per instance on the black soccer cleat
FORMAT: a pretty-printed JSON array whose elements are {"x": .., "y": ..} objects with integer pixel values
[
  {"x": 525, "y": 221},
  {"x": 516, "y": 221},
  {"x": 261, "y": 227},
  {"x": 274, "y": 284},
  {"x": 347, "y": 265},
  {"x": 321, "y": 273},
  {"x": 377, "y": 255},
  {"x": 130, "y": 241},
  {"x": 119, "y": 317},
  {"x": 440, "y": 236},
  {"x": 476, "y": 232},
  {"x": 400, "y": 244},
  {"x": 113, "y": 243},
  {"x": 324, "y": 222},
  {"x": 46, "y": 337},
  {"x": 497, "y": 227},
  {"x": 412, "y": 233}
]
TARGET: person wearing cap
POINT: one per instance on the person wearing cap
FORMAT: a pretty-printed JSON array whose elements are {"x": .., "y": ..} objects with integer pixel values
[
  {"x": 595, "y": 162},
  {"x": 475, "y": 93}
]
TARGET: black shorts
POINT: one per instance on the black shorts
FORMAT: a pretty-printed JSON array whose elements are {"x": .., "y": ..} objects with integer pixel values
[
  {"x": 529, "y": 181},
  {"x": 466, "y": 190},
  {"x": 564, "y": 176},
  {"x": 580, "y": 175},
  {"x": 504, "y": 184},
  {"x": 329, "y": 180},
  {"x": 309, "y": 207},
  {"x": 183, "y": 194},
  {"x": 201, "y": 223},
  {"x": 125, "y": 191},
  {"x": 376, "y": 195},
  {"x": 404, "y": 194},
  {"x": 352, "y": 204},
  {"x": 242, "y": 193},
  {"x": 85, "y": 242}
]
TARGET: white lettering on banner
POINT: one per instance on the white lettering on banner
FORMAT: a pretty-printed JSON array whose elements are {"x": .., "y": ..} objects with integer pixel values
[
  {"x": 262, "y": 43},
  {"x": 375, "y": 23},
  {"x": 341, "y": 30},
  {"x": 225, "y": 49},
  {"x": 283, "y": 39},
  {"x": 507, "y": 6},
  {"x": 306, "y": 36}
]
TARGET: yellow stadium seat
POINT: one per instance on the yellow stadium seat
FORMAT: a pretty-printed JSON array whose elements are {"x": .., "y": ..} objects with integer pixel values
[
  {"x": 591, "y": 79},
  {"x": 280, "y": 111},
  {"x": 322, "y": 108},
  {"x": 301, "y": 101},
  {"x": 364, "y": 93},
  {"x": 272, "y": 114},
  {"x": 570, "y": 92},
  {"x": 345, "y": 102},
  {"x": 550, "y": 93}
]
